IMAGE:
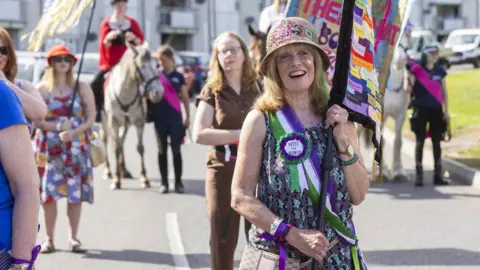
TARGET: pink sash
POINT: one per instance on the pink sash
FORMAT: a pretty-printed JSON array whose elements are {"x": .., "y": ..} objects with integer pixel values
[
  {"x": 433, "y": 87},
  {"x": 170, "y": 94}
]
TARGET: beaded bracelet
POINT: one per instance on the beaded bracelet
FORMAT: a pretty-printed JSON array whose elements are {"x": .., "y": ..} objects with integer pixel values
[{"x": 351, "y": 161}]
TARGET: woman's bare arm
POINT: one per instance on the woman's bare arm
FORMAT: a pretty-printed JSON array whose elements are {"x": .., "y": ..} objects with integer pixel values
[
  {"x": 186, "y": 101},
  {"x": 42, "y": 124},
  {"x": 88, "y": 102},
  {"x": 203, "y": 133},
  {"x": 356, "y": 175},
  {"x": 247, "y": 170},
  {"x": 33, "y": 105},
  {"x": 17, "y": 159}
]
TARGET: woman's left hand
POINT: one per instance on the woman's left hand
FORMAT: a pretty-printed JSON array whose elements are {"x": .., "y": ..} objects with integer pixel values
[
  {"x": 338, "y": 118},
  {"x": 66, "y": 135}
]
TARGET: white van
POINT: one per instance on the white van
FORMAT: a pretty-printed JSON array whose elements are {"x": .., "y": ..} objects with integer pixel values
[
  {"x": 421, "y": 38},
  {"x": 465, "y": 44}
]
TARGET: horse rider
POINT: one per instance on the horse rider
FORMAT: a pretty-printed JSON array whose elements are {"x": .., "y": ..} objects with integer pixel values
[
  {"x": 272, "y": 14},
  {"x": 114, "y": 31}
]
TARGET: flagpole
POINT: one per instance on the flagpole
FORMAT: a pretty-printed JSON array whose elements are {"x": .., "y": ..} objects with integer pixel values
[
  {"x": 339, "y": 85},
  {"x": 94, "y": 3}
]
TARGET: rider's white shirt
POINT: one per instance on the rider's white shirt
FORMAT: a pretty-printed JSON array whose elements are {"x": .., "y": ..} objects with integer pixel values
[{"x": 269, "y": 16}]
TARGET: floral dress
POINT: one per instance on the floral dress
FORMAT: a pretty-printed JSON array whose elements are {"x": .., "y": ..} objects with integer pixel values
[
  {"x": 64, "y": 167},
  {"x": 297, "y": 208}
]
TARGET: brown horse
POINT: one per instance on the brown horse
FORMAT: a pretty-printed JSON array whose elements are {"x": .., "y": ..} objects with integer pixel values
[{"x": 258, "y": 47}]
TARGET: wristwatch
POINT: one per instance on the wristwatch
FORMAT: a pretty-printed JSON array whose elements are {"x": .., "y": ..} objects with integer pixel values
[
  {"x": 349, "y": 152},
  {"x": 274, "y": 226}
]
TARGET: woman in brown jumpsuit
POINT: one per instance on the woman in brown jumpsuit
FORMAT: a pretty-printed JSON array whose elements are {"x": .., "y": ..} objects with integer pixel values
[{"x": 221, "y": 109}]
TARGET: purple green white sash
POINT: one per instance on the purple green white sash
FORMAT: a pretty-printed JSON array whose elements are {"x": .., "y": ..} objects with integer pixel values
[{"x": 305, "y": 170}]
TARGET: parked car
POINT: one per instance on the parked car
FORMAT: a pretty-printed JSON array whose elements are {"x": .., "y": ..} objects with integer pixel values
[
  {"x": 465, "y": 44},
  {"x": 198, "y": 63},
  {"x": 89, "y": 66},
  {"x": 30, "y": 65},
  {"x": 421, "y": 38}
]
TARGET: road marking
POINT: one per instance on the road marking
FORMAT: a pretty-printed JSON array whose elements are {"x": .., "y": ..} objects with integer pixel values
[{"x": 175, "y": 242}]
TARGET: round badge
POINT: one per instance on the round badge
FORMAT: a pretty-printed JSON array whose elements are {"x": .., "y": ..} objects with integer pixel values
[{"x": 294, "y": 147}]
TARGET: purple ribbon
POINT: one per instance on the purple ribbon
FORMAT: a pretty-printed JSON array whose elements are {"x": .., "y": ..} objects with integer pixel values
[
  {"x": 35, "y": 252},
  {"x": 297, "y": 126},
  {"x": 278, "y": 238}
]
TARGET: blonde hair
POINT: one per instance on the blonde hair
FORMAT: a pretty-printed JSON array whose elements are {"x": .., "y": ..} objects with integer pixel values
[
  {"x": 49, "y": 80},
  {"x": 273, "y": 97},
  {"x": 216, "y": 81}
]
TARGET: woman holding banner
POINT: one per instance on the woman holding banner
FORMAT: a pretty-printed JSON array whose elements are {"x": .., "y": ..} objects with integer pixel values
[
  {"x": 430, "y": 105},
  {"x": 281, "y": 145}
]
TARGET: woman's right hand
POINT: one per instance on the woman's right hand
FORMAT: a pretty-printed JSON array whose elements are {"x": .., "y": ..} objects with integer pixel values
[
  {"x": 310, "y": 242},
  {"x": 66, "y": 125}
]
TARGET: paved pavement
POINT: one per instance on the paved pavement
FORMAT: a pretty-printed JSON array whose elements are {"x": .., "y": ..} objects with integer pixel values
[{"x": 399, "y": 226}]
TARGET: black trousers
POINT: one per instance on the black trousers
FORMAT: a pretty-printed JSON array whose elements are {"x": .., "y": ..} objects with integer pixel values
[
  {"x": 437, "y": 126},
  {"x": 98, "y": 92},
  {"x": 169, "y": 124}
]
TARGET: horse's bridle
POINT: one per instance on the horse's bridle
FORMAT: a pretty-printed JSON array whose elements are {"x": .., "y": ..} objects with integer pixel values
[{"x": 139, "y": 75}]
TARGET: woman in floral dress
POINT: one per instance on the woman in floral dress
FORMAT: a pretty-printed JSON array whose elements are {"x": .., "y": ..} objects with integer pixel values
[
  {"x": 281, "y": 148},
  {"x": 62, "y": 144}
]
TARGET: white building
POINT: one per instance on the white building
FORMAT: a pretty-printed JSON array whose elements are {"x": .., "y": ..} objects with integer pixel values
[
  {"x": 444, "y": 16},
  {"x": 185, "y": 24}
]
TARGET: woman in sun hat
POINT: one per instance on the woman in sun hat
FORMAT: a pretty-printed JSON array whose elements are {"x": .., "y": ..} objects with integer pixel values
[
  {"x": 282, "y": 143},
  {"x": 62, "y": 147}
]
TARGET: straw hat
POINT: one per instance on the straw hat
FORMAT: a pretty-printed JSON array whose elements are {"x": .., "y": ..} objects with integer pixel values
[{"x": 292, "y": 30}]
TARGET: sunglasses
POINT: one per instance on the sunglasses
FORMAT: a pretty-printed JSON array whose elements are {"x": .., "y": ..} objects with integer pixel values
[
  {"x": 3, "y": 50},
  {"x": 59, "y": 59}
]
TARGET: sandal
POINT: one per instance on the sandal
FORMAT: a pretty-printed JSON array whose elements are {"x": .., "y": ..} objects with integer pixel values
[
  {"x": 47, "y": 247},
  {"x": 75, "y": 246}
]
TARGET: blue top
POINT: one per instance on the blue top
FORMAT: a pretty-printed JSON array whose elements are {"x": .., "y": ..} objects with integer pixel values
[
  {"x": 422, "y": 98},
  {"x": 11, "y": 114},
  {"x": 176, "y": 79},
  {"x": 163, "y": 108}
]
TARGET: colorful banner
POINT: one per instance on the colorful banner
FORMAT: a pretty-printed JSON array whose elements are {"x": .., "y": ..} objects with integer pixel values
[
  {"x": 375, "y": 34},
  {"x": 58, "y": 17}
]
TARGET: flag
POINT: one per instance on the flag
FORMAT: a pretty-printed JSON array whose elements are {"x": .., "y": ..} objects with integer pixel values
[
  {"x": 58, "y": 17},
  {"x": 377, "y": 25}
]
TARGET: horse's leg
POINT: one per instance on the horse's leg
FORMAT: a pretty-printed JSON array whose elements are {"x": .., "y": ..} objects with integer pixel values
[
  {"x": 126, "y": 173},
  {"x": 144, "y": 182},
  {"x": 399, "y": 173},
  {"x": 120, "y": 155},
  {"x": 115, "y": 140},
  {"x": 107, "y": 174}
]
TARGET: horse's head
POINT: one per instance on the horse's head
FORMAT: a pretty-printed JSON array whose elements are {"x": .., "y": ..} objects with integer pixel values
[
  {"x": 145, "y": 72},
  {"x": 258, "y": 46}
]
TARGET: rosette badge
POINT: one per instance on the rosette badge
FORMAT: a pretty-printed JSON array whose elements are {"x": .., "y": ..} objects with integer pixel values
[{"x": 294, "y": 148}]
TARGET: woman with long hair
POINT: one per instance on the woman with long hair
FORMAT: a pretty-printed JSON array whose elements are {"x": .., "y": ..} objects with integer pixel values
[
  {"x": 223, "y": 105},
  {"x": 430, "y": 106},
  {"x": 115, "y": 30},
  {"x": 62, "y": 145},
  {"x": 282, "y": 143},
  {"x": 172, "y": 125},
  {"x": 32, "y": 102},
  {"x": 271, "y": 15}
]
